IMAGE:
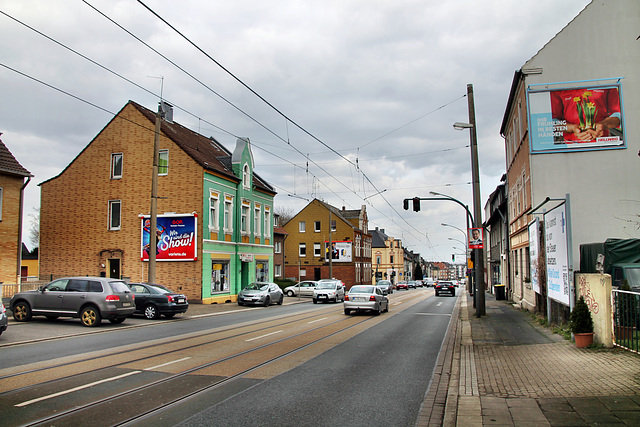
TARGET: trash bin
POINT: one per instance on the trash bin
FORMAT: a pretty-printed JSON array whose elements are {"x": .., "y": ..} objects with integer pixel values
[{"x": 500, "y": 292}]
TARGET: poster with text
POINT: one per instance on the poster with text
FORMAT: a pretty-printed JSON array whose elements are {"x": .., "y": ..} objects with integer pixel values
[
  {"x": 339, "y": 252},
  {"x": 555, "y": 241},
  {"x": 176, "y": 238},
  {"x": 534, "y": 251},
  {"x": 576, "y": 119}
]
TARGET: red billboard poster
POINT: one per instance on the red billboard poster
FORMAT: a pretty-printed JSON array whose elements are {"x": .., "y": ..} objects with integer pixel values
[
  {"x": 176, "y": 237},
  {"x": 576, "y": 119},
  {"x": 475, "y": 238}
]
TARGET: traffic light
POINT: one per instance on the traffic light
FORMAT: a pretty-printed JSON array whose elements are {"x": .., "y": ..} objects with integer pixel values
[
  {"x": 416, "y": 204},
  {"x": 406, "y": 204}
]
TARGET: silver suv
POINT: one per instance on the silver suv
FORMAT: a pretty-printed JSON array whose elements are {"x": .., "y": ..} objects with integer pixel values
[{"x": 89, "y": 298}]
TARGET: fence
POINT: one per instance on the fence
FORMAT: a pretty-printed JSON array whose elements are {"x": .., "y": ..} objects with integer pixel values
[
  {"x": 626, "y": 319},
  {"x": 9, "y": 289}
]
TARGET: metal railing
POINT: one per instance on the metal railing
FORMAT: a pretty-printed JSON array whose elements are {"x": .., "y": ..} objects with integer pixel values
[
  {"x": 626, "y": 319},
  {"x": 10, "y": 289}
]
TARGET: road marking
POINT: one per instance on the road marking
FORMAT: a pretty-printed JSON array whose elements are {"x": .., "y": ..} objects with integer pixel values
[
  {"x": 262, "y": 336},
  {"x": 165, "y": 364},
  {"x": 318, "y": 320},
  {"x": 61, "y": 393},
  {"x": 439, "y": 304}
]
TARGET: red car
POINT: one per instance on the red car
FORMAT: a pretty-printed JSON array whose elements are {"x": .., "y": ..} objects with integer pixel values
[
  {"x": 446, "y": 287},
  {"x": 402, "y": 285}
]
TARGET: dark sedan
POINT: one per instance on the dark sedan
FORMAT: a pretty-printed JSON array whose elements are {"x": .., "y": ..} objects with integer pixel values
[
  {"x": 153, "y": 300},
  {"x": 445, "y": 287}
]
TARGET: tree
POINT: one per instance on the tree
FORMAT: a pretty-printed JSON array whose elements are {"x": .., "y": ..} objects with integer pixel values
[
  {"x": 285, "y": 214},
  {"x": 34, "y": 230}
]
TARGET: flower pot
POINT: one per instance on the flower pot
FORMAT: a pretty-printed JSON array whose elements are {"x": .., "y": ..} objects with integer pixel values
[{"x": 583, "y": 340}]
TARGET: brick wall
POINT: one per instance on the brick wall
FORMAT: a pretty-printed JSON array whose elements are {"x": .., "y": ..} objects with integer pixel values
[{"x": 9, "y": 227}]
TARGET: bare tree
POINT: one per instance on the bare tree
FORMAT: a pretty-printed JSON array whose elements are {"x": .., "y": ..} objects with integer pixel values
[
  {"x": 285, "y": 214},
  {"x": 34, "y": 231}
]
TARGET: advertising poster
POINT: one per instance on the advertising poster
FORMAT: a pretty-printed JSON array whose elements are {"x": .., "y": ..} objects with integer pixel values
[
  {"x": 534, "y": 251},
  {"x": 555, "y": 241},
  {"x": 340, "y": 251},
  {"x": 176, "y": 238},
  {"x": 576, "y": 119},
  {"x": 475, "y": 238}
]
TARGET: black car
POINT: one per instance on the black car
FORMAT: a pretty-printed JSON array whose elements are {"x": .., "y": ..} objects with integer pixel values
[
  {"x": 153, "y": 300},
  {"x": 445, "y": 287}
]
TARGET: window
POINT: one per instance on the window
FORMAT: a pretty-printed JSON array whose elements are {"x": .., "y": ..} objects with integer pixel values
[
  {"x": 378, "y": 259},
  {"x": 246, "y": 176},
  {"x": 302, "y": 226},
  {"x": 262, "y": 271},
  {"x": 228, "y": 216},
  {"x": 391, "y": 259},
  {"x": 267, "y": 222},
  {"x": 244, "y": 219},
  {"x": 219, "y": 276},
  {"x": 277, "y": 247},
  {"x": 116, "y": 166},
  {"x": 302, "y": 249},
  {"x": 214, "y": 203},
  {"x": 256, "y": 220},
  {"x": 316, "y": 250},
  {"x": 333, "y": 225},
  {"x": 163, "y": 162},
  {"x": 114, "y": 214},
  {"x": 0, "y": 203},
  {"x": 316, "y": 226},
  {"x": 277, "y": 270}
]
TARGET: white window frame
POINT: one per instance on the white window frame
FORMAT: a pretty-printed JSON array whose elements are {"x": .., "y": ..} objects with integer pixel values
[
  {"x": 246, "y": 177},
  {"x": 112, "y": 205},
  {"x": 256, "y": 220},
  {"x": 302, "y": 226},
  {"x": 245, "y": 214},
  {"x": 214, "y": 211},
  {"x": 317, "y": 226},
  {"x": 277, "y": 270},
  {"x": 302, "y": 247},
  {"x": 228, "y": 214},
  {"x": 115, "y": 156},
  {"x": 161, "y": 154},
  {"x": 317, "y": 250},
  {"x": 267, "y": 222},
  {"x": 333, "y": 225},
  {"x": 277, "y": 247}
]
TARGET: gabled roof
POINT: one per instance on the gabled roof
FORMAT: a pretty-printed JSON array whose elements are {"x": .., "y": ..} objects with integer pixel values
[
  {"x": 9, "y": 165},
  {"x": 378, "y": 238}
]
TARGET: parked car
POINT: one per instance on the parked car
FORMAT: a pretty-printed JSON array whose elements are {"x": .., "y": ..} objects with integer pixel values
[
  {"x": 385, "y": 286},
  {"x": 304, "y": 289},
  {"x": 328, "y": 290},
  {"x": 402, "y": 285},
  {"x": 4, "y": 322},
  {"x": 365, "y": 298},
  {"x": 443, "y": 286},
  {"x": 152, "y": 300},
  {"x": 89, "y": 298},
  {"x": 261, "y": 293}
]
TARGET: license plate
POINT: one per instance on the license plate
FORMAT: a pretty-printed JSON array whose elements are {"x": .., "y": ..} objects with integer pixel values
[
  {"x": 322, "y": 296},
  {"x": 360, "y": 299},
  {"x": 180, "y": 301},
  {"x": 126, "y": 304}
]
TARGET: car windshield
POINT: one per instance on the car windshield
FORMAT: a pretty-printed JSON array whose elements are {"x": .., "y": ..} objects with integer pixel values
[
  {"x": 362, "y": 290},
  {"x": 257, "y": 287},
  {"x": 383, "y": 283},
  {"x": 326, "y": 286}
]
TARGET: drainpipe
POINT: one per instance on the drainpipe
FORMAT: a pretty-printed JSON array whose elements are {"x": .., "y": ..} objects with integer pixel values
[{"x": 20, "y": 212}]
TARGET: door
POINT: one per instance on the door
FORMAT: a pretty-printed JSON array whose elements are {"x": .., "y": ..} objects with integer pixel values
[
  {"x": 75, "y": 295},
  {"x": 114, "y": 268},
  {"x": 50, "y": 298}
]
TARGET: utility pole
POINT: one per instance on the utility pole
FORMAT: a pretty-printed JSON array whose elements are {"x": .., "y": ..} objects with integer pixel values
[
  {"x": 477, "y": 207},
  {"x": 153, "y": 227}
]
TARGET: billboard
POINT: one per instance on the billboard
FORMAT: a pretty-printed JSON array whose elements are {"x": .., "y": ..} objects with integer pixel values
[
  {"x": 475, "y": 236},
  {"x": 176, "y": 237},
  {"x": 575, "y": 119},
  {"x": 340, "y": 251},
  {"x": 555, "y": 241},
  {"x": 534, "y": 251}
]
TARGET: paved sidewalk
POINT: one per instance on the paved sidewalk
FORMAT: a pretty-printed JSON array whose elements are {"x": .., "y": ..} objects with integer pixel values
[{"x": 504, "y": 370}]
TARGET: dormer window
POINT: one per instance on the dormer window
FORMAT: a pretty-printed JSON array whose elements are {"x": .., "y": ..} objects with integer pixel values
[{"x": 246, "y": 177}]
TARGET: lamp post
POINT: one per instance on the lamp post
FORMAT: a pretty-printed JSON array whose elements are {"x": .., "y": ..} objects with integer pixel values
[{"x": 477, "y": 208}]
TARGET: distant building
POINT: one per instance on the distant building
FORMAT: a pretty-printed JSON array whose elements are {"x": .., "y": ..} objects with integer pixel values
[
  {"x": 387, "y": 256},
  {"x": 13, "y": 180},
  {"x": 215, "y": 214},
  {"x": 326, "y": 242}
]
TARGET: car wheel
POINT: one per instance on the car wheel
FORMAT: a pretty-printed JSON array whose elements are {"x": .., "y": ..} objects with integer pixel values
[
  {"x": 347, "y": 311},
  {"x": 90, "y": 316},
  {"x": 151, "y": 312},
  {"x": 267, "y": 301},
  {"x": 117, "y": 320},
  {"x": 315, "y": 301},
  {"x": 22, "y": 312},
  {"x": 377, "y": 311},
  {"x": 239, "y": 303},
  {"x": 290, "y": 293},
  {"x": 386, "y": 309},
  {"x": 281, "y": 300}
]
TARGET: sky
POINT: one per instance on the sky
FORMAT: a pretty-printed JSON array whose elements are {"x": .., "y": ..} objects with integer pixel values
[{"x": 348, "y": 101}]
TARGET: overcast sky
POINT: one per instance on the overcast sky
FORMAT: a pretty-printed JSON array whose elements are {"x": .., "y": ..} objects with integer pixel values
[{"x": 371, "y": 87}]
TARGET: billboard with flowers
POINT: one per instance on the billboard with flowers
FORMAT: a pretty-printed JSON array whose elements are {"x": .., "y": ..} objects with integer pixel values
[
  {"x": 176, "y": 237},
  {"x": 575, "y": 119}
]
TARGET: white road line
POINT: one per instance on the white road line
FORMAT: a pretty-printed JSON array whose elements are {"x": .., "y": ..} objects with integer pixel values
[
  {"x": 317, "y": 320},
  {"x": 61, "y": 393},
  {"x": 262, "y": 336},
  {"x": 439, "y": 304},
  {"x": 165, "y": 364}
]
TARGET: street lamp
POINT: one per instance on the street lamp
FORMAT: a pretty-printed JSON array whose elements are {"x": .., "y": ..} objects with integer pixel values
[{"x": 477, "y": 207}]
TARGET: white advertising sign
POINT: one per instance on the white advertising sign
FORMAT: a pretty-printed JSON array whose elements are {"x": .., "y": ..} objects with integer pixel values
[
  {"x": 555, "y": 238},
  {"x": 534, "y": 250}
]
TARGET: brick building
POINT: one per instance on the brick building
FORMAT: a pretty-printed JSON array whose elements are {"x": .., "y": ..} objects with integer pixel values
[
  {"x": 214, "y": 213},
  {"x": 13, "y": 179},
  {"x": 321, "y": 229}
]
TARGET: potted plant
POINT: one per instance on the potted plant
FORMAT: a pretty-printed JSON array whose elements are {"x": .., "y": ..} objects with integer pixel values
[{"x": 582, "y": 324}]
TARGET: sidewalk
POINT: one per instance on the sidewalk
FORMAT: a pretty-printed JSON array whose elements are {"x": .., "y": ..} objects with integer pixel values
[{"x": 505, "y": 370}]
